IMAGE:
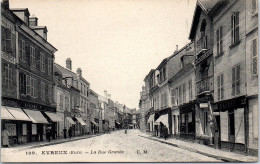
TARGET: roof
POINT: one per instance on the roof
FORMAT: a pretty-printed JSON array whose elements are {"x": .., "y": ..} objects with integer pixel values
[
  {"x": 184, "y": 47},
  {"x": 68, "y": 73},
  {"x": 93, "y": 92},
  {"x": 162, "y": 63},
  {"x": 21, "y": 9},
  {"x": 151, "y": 71},
  {"x": 39, "y": 27},
  {"x": 202, "y": 5}
]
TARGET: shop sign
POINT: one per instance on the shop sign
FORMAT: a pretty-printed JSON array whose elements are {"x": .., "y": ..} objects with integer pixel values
[
  {"x": 11, "y": 128},
  {"x": 24, "y": 129},
  {"x": 34, "y": 129},
  {"x": 204, "y": 105}
]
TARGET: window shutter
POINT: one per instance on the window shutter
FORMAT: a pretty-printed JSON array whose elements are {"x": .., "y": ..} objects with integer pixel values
[
  {"x": 217, "y": 34},
  {"x": 8, "y": 40},
  {"x": 222, "y": 86},
  {"x": 220, "y": 38},
  {"x": 13, "y": 44},
  {"x": 232, "y": 28},
  {"x": 3, "y": 36},
  {"x": 254, "y": 58},
  {"x": 233, "y": 80},
  {"x": 237, "y": 27},
  {"x": 218, "y": 82},
  {"x": 253, "y": 6},
  {"x": 6, "y": 76},
  {"x": 238, "y": 80}
]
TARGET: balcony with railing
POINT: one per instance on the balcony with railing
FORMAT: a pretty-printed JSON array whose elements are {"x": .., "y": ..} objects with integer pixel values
[
  {"x": 205, "y": 85},
  {"x": 202, "y": 44},
  {"x": 202, "y": 49}
]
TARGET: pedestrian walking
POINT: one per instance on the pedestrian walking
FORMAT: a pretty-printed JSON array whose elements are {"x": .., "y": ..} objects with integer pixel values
[
  {"x": 5, "y": 137},
  {"x": 70, "y": 132},
  {"x": 165, "y": 132},
  {"x": 48, "y": 133},
  {"x": 125, "y": 131},
  {"x": 65, "y": 132}
]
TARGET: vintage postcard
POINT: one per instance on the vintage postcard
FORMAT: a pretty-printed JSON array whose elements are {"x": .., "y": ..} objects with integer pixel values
[{"x": 129, "y": 81}]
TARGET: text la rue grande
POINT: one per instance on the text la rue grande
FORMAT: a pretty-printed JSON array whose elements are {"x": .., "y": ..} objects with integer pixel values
[{"x": 107, "y": 152}]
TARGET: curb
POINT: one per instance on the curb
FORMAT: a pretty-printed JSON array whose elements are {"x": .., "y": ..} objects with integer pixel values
[
  {"x": 225, "y": 159},
  {"x": 58, "y": 142}
]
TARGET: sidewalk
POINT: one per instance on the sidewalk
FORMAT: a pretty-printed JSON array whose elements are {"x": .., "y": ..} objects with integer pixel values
[
  {"x": 203, "y": 149},
  {"x": 31, "y": 145}
]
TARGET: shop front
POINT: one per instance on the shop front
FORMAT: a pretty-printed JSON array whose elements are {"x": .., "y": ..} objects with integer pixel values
[
  {"x": 94, "y": 126},
  {"x": 187, "y": 121},
  {"x": 150, "y": 123},
  {"x": 54, "y": 119},
  {"x": 161, "y": 122},
  {"x": 80, "y": 126},
  {"x": 36, "y": 129},
  {"x": 231, "y": 116},
  {"x": 15, "y": 121}
]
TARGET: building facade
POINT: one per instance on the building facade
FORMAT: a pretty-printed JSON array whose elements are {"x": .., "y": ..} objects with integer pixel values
[{"x": 27, "y": 77}]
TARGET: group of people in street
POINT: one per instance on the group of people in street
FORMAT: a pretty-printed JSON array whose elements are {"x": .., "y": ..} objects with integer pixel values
[{"x": 65, "y": 132}]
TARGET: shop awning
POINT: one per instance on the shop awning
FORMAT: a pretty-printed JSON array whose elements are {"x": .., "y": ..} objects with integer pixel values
[
  {"x": 36, "y": 116},
  {"x": 163, "y": 119},
  {"x": 5, "y": 115},
  {"x": 18, "y": 114},
  {"x": 81, "y": 121},
  {"x": 151, "y": 118},
  {"x": 118, "y": 123},
  {"x": 70, "y": 120},
  {"x": 94, "y": 122},
  {"x": 54, "y": 117}
]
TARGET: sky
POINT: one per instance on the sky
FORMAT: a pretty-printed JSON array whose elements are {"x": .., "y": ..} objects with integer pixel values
[{"x": 115, "y": 42}]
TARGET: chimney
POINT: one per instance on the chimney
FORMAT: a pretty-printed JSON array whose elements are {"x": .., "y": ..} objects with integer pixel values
[
  {"x": 105, "y": 93},
  {"x": 33, "y": 21},
  {"x": 6, "y": 4},
  {"x": 176, "y": 47},
  {"x": 79, "y": 72},
  {"x": 109, "y": 96},
  {"x": 68, "y": 63}
]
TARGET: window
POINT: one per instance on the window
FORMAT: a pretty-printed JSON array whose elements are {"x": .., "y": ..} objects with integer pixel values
[
  {"x": 254, "y": 6},
  {"x": 231, "y": 123},
  {"x": 42, "y": 62},
  {"x": 180, "y": 95},
  {"x": 235, "y": 27},
  {"x": 22, "y": 50},
  {"x": 219, "y": 40},
  {"x": 33, "y": 87},
  {"x": 236, "y": 80},
  {"x": 49, "y": 66},
  {"x": 50, "y": 93},
  {"x": 173, "y": 94},
  {"x": 184, "y": 92},
  {"x": 177, "y": 95},
  {"x": 190, "y": 90},
  {"x": 32, "y": 55},
  {"x": 22, "y": 81},
  {"x": 205, "y": 123},
  {"x": 220, "y": 82},
  {"x": 8, "y": 77},
  {"x": 61, "y": 101},
  {"x": 67, "y": 103},
  {"x": 7, "y": 43},
  {"x": 254, "y": 58},
  {"x": 28, "y": 85},
  {"x": 42, "y": 90}
]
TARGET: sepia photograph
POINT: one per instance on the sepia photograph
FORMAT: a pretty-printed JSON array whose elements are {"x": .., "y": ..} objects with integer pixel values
[{"x": 129, "y": 81}]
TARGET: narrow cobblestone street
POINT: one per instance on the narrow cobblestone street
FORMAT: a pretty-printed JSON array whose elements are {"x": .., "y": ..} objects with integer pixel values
[{"x": 114, "y": 147}]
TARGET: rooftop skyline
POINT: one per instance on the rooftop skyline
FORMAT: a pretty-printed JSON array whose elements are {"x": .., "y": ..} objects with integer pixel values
[{"x": 114, "y": 42}]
